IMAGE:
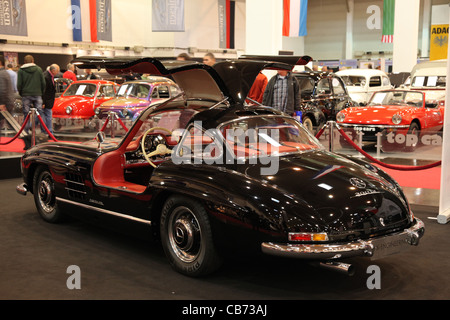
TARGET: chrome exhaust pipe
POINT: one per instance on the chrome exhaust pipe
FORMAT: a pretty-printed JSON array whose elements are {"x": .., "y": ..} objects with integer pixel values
[{"x": 340, "y": 267}]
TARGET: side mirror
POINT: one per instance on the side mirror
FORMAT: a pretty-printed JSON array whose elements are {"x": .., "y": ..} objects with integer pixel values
[{"x": 100, "y": 138}]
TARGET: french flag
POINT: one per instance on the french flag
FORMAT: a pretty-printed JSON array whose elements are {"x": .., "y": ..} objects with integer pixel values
[
  {"x": 294, "y": 18},
  {"x": 84, "y": 20}
]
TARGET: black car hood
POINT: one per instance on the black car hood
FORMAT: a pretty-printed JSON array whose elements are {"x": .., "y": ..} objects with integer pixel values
[
  {"x": 230, "y": 79},
  {"x": 329, "y": 191}
]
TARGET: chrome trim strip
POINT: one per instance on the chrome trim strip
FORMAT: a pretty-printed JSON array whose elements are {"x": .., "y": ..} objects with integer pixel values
[
  {"x": 77, "y": 191},
  {"x": 381, "y": 126},
  {"x": 75, "y": 182},
  {"x": 113, "y": 213},
  {"x": 337, "y": 251}
]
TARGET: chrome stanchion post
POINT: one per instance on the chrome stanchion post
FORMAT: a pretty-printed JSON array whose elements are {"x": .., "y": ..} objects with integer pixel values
[
  {"x": 379, "y": 134},
  {"x": 33, "y": 126},
  {"x": 331, "y": 141},
  {"x": 112, "y": 121}
]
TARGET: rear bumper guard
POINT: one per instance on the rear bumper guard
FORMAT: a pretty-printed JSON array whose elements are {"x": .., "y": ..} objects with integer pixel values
[{"x": 22, "y": 189}]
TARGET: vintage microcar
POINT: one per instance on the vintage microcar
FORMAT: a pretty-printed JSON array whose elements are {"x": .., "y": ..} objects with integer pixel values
[{"x": 209, "y": 175}]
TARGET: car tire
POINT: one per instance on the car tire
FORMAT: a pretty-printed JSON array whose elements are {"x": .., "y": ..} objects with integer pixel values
[
  {"x": 308, "y": 124},
  {"x": 44, "y": 196},
  {"x": 186, "y": 237}
]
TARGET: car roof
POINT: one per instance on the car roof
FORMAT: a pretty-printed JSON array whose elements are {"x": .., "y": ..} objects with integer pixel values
[
  {"x": 229, "y": 79},
  {"x": 94, "y": 82},
  {"x": 153, "y": 80},
  {"x": 361, "y": 72}
]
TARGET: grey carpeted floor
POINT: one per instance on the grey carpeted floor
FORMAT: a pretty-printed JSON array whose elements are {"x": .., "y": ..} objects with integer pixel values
[{"x": 34, "y": 257}]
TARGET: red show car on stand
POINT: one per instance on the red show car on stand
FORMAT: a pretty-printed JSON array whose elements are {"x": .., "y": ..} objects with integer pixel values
[
  {"x": 76, "y": 105},
  {"x": 395, "y": 112}
]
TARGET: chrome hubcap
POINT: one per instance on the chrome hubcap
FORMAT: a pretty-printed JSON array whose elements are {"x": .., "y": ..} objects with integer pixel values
[
  {"x": 45, "y": 191},
  {"x": 184, "y": 234}
]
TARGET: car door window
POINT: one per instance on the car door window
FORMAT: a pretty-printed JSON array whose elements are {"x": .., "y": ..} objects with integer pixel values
[
  {"x": 375, "y": 81},
  {"x": 163, "y": 92},
  {"x": 386, "y": 82},
  {"x": 174, "y": 91},
  {"x": 323, "y": 87},
  {"x": 338, "y": 86},
  {"x": 106, "y": 91}
]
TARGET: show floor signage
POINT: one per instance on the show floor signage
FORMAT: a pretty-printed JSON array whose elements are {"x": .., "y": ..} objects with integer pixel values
[{"x": 13, "y": 18}]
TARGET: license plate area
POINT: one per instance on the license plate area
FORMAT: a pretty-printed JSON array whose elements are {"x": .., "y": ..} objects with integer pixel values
[{"x": 389, "y": 245}]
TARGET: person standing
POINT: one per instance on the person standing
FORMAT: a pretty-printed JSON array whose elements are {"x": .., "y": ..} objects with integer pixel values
[
  {"x": 90, "y": 75},
  {"x": 13, "y": 76},
  {"x": 259, "y": 86},
  {"x": 31, "y": 86},
  {"x": 48, "y": 98},
  {"x": 209, "y": 59},
  {"x": 183, "y": 57},
  {"x": 70, "y": 73},
  {"x": 283, "y": 93},
  {"x": 6, "y": 90}
]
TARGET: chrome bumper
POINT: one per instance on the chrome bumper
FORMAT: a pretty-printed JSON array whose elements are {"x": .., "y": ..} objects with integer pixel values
[
  {"x": 378, "y": 126},
  {"x": 22, "y": 189},
  {"x": 376, "y": 247}
]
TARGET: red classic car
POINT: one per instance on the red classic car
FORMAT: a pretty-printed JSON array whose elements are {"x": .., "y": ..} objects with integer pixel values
[
  {"x": 395, "y": 112},
  {"x": 76, "y": 105}
]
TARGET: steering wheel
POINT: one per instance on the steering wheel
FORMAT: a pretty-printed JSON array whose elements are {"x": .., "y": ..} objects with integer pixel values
[{"x": 161, "y": 149}]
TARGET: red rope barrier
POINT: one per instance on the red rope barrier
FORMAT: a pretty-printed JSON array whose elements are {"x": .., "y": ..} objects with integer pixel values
[
  {"x": 390, "y": 166},
  {"x": 104, "y": 125},
  {"x": 321, "y": 131},
  {"x": 122, "y": 124},
  {"x": 18, "y": 133},
  {"x": 46, "y": 129}
]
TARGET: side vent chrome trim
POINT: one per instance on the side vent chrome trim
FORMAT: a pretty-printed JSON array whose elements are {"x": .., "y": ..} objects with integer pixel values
[{"x": 113, "y": 213}]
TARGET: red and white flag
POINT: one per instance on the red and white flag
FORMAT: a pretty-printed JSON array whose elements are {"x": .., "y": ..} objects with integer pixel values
[{"x": 294, "y": 18}]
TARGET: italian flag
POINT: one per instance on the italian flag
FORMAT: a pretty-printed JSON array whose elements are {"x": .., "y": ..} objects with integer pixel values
[
  {"x": 388, "y": 21},
  {"x": 294, "y": 18}
]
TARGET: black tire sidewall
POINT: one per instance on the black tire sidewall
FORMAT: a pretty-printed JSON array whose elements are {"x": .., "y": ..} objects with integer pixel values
[
  {"x": 208, "y": 260},
  {"x": 53, "y": 216}
]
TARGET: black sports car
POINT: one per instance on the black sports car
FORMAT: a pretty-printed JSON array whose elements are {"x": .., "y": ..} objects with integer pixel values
[{"x": 209, "y": 174}]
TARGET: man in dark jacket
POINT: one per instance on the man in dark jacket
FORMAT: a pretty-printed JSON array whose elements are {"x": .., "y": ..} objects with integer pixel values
[
  {"x": 31, "y": 86},
  {"x": 283, "y": 93},
  {"x": 48, "y": 98},
  {"x": 6, "y": 90}
]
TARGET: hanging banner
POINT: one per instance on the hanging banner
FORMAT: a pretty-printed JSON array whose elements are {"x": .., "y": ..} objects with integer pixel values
[
  {"x": 104, "y": 30},
  {"x": 294, "y": 18},
  {"x": 13, "y": 18},
  {"x": 75, "y": 20},
  {"x": 90, "y": 20},
  {"x": 439, "y": 42},
  {"x": 388, "y": 21},
  {"x": 226, "y": 23},
  {"x": 168, "y": 15}
]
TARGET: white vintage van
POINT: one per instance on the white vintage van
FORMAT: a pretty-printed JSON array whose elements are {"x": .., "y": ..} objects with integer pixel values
[
  {"x": 429, "y": 76},
  {"x": 362, "y": 83}
]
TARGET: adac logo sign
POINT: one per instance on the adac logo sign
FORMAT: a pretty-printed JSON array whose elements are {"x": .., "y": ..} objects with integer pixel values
[{"x": 439, "y": 42}]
